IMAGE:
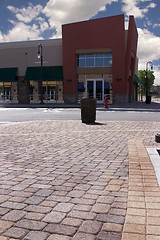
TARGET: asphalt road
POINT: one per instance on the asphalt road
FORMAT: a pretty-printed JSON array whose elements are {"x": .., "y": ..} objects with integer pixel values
[{"x": 11, "y": 115}]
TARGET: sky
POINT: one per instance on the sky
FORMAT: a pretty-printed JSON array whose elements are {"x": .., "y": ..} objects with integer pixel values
[{"x": 22, "y": 20}]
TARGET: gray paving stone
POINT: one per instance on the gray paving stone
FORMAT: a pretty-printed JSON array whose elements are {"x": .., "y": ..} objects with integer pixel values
[
  {"x": 64, "y": 207},
  {"x": 61, "y": 179},
  {"x": 82, "y": 215},
  {"x": 84, "y": 236},
  {"x": 13, "y": 205},
  {"x": 3, "y": 211},
  {"x": 61, "y": 229},
  {"x": 30, "y": 224},
  {"x": 35, "y": 200},
  {"x": 38, "y": 209},
  {"x": 36, "y": 235},
  {"x": 110, "y": 218},
  {"x": 92, "y": 227},
  {"x": 14, "y": 215},
  {"x": 108, "y": 236},
  {"x": 54, "y": 217},
  {"x": 4, "y": 198},
  {"x": 44, "y": 192},
  {"x": 15, "y": 232}
]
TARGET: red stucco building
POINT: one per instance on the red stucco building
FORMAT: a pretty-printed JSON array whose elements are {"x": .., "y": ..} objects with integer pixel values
[
  {"x": 99, "y": 59},
  {"x": 94, "y": 58}
]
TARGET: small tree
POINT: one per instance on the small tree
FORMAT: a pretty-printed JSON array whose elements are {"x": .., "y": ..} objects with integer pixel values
[{"x": 147, "y": 79}]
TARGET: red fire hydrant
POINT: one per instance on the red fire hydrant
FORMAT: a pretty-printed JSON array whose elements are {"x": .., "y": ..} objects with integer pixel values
[{"x": 106, "y": 102}]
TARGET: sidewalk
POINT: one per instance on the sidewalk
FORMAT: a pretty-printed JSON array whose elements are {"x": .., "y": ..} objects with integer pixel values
[
  {"x": 63, "y": 180},
  {"x": 139, "y": 106}
]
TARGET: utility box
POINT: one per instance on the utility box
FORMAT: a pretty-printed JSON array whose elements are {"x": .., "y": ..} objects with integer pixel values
[{"x": 88, "y": 110}]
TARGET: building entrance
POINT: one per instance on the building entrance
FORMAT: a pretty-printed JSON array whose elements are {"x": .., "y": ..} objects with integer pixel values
[
  {"x": 95, "y": 89},
  {"x": 5, "y": 92}
]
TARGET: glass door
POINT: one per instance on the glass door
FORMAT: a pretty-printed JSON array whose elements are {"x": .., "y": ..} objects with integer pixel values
[
  {"x": 90, "y": 89},
  {"x": 95, "y": 89},
  {"x": 99, "y": 90}
]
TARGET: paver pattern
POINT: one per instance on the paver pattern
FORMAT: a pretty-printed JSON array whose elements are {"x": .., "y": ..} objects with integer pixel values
[{"x": 66, "y": 180}]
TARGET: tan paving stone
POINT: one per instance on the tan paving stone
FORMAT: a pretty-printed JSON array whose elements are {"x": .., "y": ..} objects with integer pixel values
[
  {"x": 113, "y": 188},
  {"x": 136, "y": 199},
  {"x": 152, "y": 199},
  {"x": 112, "y": 227},
  {"x": 152, "y": 237},
  {"x": 72, "y": 222},
  {"x": 133, "y": 236},
  {"x": 153, "y": 205},
  {"x": 135, "y": 219},
  {"x": 153, "y": 212},
  {"x": 152, "y": 194},
  {"x": 153, "y": 221},
  {"x": 136, "y": 193},
  {"x": 153, "y": 229},
  {"x": 4, "y": 225},
  {"x": 136, "y": 211},
  {"x": 133, "y": 204},
  {"x": 48, "y": 203},
  {"x": 134, "y": 228},
  {"x": 34, "y": 216},
  {"x": 58, "y": 237}
]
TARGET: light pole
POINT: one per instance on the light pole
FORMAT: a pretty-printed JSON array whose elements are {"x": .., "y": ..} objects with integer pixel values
[
  {"x": 147, "y": 67},
  {"x": 40, "y": 55}
]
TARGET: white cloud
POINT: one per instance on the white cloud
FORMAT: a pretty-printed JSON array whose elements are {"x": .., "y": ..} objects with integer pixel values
[
  {"x": 156, "y": 25},
  {"x": 152, "y": 5},
  {"x": 131, "y": 7},
  {"x": 157, "y": 74},
  {"x": 148, "y": 50},
  {"x": 66, "y": 11},
  {"x": 58, "y": 12},
  {"x": 21, "y": 32},
  {"x": 26, "y": 14},
  {"x": 23, "y": 29}
]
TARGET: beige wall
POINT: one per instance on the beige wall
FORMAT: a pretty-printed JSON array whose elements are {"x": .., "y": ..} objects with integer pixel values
[{"x": 24, "y": 54}]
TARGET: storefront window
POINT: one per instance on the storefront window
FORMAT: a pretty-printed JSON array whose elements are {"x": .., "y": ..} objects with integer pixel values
[{"x": 95, "y": 60}]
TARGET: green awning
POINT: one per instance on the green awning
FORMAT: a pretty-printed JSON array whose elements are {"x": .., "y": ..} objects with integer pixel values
[
  {"x": 137, "y": 80},
  {"x": 52, "y": 73},
  {"x": 8, "y": 74}
]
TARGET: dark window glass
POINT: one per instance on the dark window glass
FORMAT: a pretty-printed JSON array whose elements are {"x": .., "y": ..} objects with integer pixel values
[
  {"x": 90, "y": 62},
  {"x": 95, "y": 60},
  {"x": 81, "y": 62},
  {"x": 98, "y": 62},
  {"x": 89, "y": 56},
  {"x": 107, "y": 62}
]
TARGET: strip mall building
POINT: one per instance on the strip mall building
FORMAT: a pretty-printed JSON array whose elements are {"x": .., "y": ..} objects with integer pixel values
[{"x": 94, "y": 58}]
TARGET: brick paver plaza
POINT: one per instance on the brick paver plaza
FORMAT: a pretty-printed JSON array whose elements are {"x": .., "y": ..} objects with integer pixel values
[{"x": 62, "y": 180}]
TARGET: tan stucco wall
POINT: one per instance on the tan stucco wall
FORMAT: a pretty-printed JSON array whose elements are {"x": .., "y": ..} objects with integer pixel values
[{"x": 24, "y": 54}]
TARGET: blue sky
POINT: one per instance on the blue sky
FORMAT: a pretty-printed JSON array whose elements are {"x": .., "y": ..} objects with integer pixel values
[{"x": 22, "y": 20}]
